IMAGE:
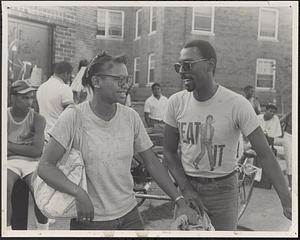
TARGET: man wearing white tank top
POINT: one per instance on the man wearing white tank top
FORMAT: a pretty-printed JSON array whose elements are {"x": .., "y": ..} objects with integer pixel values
[{"x": 25, "y": 141}]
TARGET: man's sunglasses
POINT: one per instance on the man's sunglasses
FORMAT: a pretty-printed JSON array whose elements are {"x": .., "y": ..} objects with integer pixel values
[
  {"x": 122, "y": 80},
  {"x": 186, "y": 65}
]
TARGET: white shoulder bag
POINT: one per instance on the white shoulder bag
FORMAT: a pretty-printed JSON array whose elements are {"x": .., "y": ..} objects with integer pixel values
[{"x": 55, "y": 204}]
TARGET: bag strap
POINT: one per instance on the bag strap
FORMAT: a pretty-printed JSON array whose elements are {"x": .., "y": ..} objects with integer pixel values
[{"x": 77, "y": 124}]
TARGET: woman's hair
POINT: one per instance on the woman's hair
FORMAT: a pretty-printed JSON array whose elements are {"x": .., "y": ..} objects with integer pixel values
[
  {"x": 82, "y": 63},
  {"x": 97, "y": 65},
  {"x": 63, "y": 67}
]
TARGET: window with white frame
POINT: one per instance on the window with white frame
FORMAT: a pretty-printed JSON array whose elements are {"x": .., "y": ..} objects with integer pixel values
[
  {"x": 151, "y": 68},
  {"x": 136, "y": 70},
  {"x": 110, "y": 24},
  {"x": 268, "y": 24},
  {"x": 265, "y": 73},
  {"x": 138, "y": 23},
  {"x": 203, "y": 20},
  {"x": 153, "y": 19}
]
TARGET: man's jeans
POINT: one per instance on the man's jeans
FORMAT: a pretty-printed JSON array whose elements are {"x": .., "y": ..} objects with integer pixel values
[
  {"x": 130, "y": 221},
  {"x": 221, "y": 200}
]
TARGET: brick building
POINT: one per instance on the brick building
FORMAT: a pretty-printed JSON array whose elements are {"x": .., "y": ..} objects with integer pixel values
[{"x": 253, "y": 45}]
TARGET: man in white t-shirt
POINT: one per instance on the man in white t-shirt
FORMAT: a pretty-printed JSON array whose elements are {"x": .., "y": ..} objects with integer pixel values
[
  {"x": 270, "y": 123},
  {"x": 155, "y": 106},
  {"x": 250, "y": 95},
  {"x": 286, "y": 122},
  {"x": 55, "y": 94},
  {"x": 206, "y": 187}
]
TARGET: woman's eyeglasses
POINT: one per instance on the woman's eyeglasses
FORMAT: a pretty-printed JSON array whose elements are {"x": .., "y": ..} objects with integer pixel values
[
  {"x": 122, "y": 80},
  {"x": 186, "y": 65}
]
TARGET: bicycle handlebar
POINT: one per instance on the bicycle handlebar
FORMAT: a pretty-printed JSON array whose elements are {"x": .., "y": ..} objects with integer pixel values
[{"x": 250, "y": 153}]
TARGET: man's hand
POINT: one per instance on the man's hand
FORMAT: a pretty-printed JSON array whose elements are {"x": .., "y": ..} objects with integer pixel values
[
  {"x": 287, "y": 208},
  {"x": 194, "y": 201},
  {"x": 183, "y": 209},
  {"x": 287, "y": 212}
]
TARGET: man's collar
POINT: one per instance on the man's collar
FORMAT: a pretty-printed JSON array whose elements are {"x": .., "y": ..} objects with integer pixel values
[
  {"x": 156, "y": 97},
  {"x": 58, "y": 78}
]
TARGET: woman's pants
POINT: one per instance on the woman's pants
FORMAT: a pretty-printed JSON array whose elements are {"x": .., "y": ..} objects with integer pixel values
[{"x": 130, "y": 221}]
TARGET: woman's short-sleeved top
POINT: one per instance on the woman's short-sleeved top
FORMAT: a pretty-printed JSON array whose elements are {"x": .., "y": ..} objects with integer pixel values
[{"x": 107, "y": 148}]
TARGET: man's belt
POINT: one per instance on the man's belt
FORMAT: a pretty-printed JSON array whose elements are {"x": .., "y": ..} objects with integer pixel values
[
  {"x": 156, "y": 120},
  {"x": 210, "y": 180}
]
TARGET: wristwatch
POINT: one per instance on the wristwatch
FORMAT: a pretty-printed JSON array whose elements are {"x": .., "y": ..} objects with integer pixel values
[{"x": 178, "y": 198}]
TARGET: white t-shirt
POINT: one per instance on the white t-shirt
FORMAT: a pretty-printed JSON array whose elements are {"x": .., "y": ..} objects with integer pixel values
[
  {"x": 107, "y": 148},
  {"x": 271, "y": 127},
  {"x": 156, "y": 107},
  {"x": 231, "y": 114},
  {"x": 52, "y": 96}
]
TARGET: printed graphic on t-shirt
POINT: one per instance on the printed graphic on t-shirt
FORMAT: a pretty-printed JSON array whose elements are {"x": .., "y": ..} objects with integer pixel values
[{"x": 204, "y": 134}]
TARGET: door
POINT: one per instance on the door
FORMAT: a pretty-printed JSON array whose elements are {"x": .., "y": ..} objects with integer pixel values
[{"x": 29, "y": 45}]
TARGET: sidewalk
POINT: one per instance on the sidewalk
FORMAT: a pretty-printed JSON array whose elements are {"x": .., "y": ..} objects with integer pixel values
[{"x": 264, "y": 212}]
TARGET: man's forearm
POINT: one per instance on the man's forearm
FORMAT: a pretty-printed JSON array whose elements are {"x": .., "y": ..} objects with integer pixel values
[
  {"x": 174, "y": 165},
  {"x": 24, "y": 150},
  {"x": 273, "y": 170},
  {"x": 147, "y": 120}
]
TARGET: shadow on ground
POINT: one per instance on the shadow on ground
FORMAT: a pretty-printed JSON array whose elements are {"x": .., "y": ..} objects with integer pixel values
[{"x": 154, "y": 213}]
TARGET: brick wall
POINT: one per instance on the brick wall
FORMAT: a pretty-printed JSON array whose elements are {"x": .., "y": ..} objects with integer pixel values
[
  {"x": 64, "y": 44},
  {"x": 148, "y": 43},
  {"x": 174, "y": 39},
  {"x": 86, "y": 30},
  {"x": 235, "y": 41},
  {"x": 237, "y": 48},
  {"x": 63, "y": 22}
]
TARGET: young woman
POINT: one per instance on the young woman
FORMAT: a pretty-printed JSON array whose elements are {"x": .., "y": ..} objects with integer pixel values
[{"x": 109, "y": 135}]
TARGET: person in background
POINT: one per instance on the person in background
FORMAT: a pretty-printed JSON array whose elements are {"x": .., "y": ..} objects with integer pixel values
[
  {"x": 249, "y": 92},
  {"x": 155, "y": 106},
  {"x": 83, "y": 93},
  {"x": 109, "y": 135},
  {"x": 270, "y": 124},
  {"x": 55, "y": 95},
  {"x": 128, "y": 99},
  {"x": 286, "y": 122},
  {"x": 250, "y": 95},
  {"x": 214, "y": 189},
  {"x": 25, "y": 142}
]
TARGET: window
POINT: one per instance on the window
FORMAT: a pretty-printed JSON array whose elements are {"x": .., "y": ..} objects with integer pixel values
[
  {"x": 268, "y": 24},
  {"x": 151, "y": 68},
  {"x": 265, "y": 73},
  {"x": 153, "y": 19},
  {"x": 110, "y": 24},
  {"x": 203, "y": 20},
  {"x": 136, "y": 71},
  {"x": 138, "y": 23}
]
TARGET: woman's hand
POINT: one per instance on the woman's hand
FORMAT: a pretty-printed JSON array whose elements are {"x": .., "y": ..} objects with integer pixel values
[{"x": 84, "y": 206}]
